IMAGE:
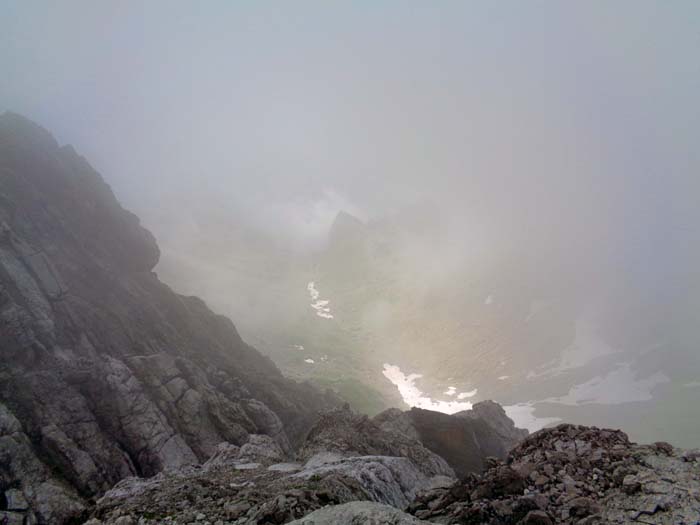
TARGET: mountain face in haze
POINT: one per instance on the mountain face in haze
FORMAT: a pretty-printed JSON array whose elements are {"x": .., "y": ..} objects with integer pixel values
[
  {"x": 114, "y": 387},
  {"x": 552, "y": 337},
  {"x": 105, "y": 372},
  {"x": 112, "y": 383},
  {"x": 549, "y": 338}
]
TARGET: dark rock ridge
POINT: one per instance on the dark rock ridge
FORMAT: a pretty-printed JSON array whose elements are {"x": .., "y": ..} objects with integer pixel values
[
  {"x": 439, "y": 444},
  {"x": 105, "y": 372},
  {"x": 464, "y": 440},
  {"x": 495, "y": 417}
]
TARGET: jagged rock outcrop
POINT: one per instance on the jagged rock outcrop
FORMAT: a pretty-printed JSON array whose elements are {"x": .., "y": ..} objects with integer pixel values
[
  {"x": 105, "y": 372},
  {"x": 569, "y": 474},
  {"x": 464, "y": 440},
  {"x": 386, "y": 479},
  {"x": 247, "y": 494},
  {"x": 574, "y": 474},
  {"x": 29, "y": 484},
  {"x": 346, "y": 456},
  {"x": 358, "y": 513},
  {"x": 229, "y": 489},
  {"x": 345, "y": 433},
  {"x": 495, "y": 417}
]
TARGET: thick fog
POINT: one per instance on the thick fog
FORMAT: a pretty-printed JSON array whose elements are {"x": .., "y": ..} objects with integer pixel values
[
  {"x": 585, "y": 115},
  {"x": 559, "y": 138}
]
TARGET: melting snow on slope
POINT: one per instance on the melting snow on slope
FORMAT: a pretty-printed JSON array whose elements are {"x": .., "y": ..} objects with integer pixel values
[
  {"x": 309, "y": 360},
  {"x": 320, "y": 305},
  {"x": 588, "y": 345},
  {"x": 465, "y": 395},
  {"x": 523, "y": 415},
  {"x": 620, "y": 385},
  {"x": 413, "y": 397}
]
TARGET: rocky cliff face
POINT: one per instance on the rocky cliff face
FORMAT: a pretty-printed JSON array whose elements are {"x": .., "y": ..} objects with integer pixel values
[
  {"x": 464, "y": 440},
  {"x": 105, "y": 372},
  {"x": 346, "y": 434}
]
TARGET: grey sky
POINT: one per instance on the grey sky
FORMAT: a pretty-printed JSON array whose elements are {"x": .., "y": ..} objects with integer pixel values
[{"x": 528, "y": 118}]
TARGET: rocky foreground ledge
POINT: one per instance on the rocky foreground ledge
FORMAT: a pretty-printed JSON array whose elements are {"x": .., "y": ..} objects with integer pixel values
[
  {"x": 568, "y": 474},
  {"x": 345, "y": 458}
]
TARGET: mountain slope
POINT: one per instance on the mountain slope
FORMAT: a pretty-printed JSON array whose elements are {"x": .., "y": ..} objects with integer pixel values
[{"x": 105, "y": 372}]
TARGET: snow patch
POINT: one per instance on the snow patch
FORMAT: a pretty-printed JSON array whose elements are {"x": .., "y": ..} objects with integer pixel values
[
  {"x": 465, "y": 395},
  {"x": 587, "y": 346},
  {"x": 620, "y": 385},
  {"x": 320, "y": 305},
  {"x": 523, "y": 415},
  {"x": 413, "y": 396}
]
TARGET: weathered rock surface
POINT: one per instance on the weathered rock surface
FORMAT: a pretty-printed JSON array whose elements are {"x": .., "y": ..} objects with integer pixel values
[
  {"x": 358, "y": 513},
  {"x": 105, "y": 372},
  {"x": 391, "y": 480},
  {"x": 345, "y": 433},
  {"x": 464, "y": 440},
  {"x": 256, "y": 495},
  {"x": 239, "y": 484},
  {"x": 495, "y": 417},
  {"x": 573, "y": 474}
]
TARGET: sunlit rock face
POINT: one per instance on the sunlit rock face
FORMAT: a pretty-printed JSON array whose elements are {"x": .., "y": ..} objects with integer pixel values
[{"x": 105, "y": 372}]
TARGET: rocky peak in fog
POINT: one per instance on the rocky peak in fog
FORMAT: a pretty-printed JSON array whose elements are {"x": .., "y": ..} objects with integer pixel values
[{"x": 105, "y": 372}]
